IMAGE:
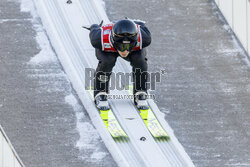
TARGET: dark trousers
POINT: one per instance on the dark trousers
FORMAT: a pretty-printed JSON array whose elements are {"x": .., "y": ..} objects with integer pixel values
[{"x": 107, "y": 60}]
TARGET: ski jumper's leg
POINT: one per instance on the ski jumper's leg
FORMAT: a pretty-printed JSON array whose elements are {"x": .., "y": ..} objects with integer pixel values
[
  {"x": 103, "y": 71},
  {"x": 139, "y": 64}
]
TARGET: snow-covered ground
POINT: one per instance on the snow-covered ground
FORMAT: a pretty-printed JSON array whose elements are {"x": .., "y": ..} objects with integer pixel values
[
  {"x": 89, "y": 138},
  {"x": 50, "y": 100}
]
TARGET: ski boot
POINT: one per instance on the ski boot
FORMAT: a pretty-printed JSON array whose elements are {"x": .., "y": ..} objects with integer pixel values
[
  {"x": 101, "y": 101},
  {"x": 140, "y": 100}
]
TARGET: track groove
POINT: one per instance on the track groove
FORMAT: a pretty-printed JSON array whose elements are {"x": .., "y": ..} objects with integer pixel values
[{"x": 63, "y": 24}]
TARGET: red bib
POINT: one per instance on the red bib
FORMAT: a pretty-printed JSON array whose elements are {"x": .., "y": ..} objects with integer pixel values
[{"x": 106, "y": 43}]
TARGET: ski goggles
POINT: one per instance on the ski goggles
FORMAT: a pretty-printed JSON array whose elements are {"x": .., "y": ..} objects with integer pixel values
[
  {"x": 124, "y": 42},
  {"x": 125, "y": 46}
]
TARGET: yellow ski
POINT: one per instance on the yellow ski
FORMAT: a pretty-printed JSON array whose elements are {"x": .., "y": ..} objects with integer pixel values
[
  {"x": 152, "y": 123},
  {"x": 112, "y": 124}
]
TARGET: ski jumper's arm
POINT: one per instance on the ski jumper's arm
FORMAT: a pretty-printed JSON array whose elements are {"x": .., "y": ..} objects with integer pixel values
[
  {"x": 95, "y": 36},
  {"x": 145, "y": 33}
]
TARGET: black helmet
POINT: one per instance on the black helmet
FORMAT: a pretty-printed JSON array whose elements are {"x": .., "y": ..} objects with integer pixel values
[{"x": 124, "y": 35}]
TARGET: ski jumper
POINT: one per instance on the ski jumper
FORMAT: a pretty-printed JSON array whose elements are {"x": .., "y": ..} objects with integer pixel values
[{"x": 107, "y": 56}]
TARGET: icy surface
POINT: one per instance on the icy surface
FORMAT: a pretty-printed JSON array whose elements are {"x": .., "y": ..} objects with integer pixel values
[
  {"x": 39, "y": 109},
  {"x": 46, "y": 55},
  {"x": 89, "y": 138},
  {"x": 205, "y": 89}
]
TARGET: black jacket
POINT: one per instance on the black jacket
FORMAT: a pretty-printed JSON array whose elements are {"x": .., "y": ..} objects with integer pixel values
[{"x": 95, "y": 35}]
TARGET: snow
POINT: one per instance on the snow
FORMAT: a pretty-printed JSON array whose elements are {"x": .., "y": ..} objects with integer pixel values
[
  {"x": 89, "y": 138},
  {"x": 46, "y": 55},
  {"x": 98, "y": 155},
  {"x": 102, "y": 3},
  {"x": 28, "y": 6},
  {"x": 8, "y": 20},
  {"x": 227, "y": 88},
  {"x": 237, "y": 45},
  {"x": 71, "y": 100}
]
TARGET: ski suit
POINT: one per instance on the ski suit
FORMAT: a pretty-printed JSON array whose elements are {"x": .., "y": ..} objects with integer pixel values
[{"x": 107, "y": 56}]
